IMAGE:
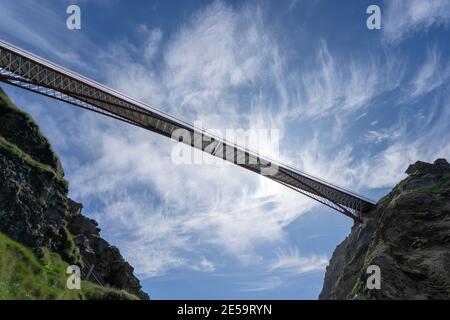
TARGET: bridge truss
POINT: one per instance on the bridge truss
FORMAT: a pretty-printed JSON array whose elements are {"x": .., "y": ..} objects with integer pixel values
[{"x": 22, "y": 69}]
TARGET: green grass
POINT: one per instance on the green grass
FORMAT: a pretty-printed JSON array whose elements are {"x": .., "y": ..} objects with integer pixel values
[
  {"x": 436, "y": 189},
  {"x": 8, "y": 104},
  {"x": 71, "y": 252},
  {"x": 8, "y": 107},
  {"x": 25, "y": 277},
  {"x": 40, "y": 167},
  {"x": 360, "y": 288},
  {"x": 442, "y": 187}
]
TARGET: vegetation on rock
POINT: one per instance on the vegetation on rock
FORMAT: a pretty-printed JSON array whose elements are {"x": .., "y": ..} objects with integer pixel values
[
  {"x": 24, "y": 276},
  {"x": 36, "y": 212},
  {"x": 407, "y": 235}
]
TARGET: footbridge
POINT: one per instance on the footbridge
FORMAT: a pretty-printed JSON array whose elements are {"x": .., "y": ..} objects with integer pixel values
[{"x": 25, "y": 70}]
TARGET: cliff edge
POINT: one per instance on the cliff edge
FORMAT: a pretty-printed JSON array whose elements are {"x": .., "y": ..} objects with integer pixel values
[
  {"x": 407, "y": 235},
  {"x": 37, "y": 215}
]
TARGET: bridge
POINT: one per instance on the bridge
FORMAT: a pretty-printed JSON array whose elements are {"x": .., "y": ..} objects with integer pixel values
[{"x": 25, "y": 70}]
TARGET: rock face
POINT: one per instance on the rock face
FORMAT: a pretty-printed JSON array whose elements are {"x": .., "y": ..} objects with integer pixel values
[
  {"x": 407, "y": 235},
  {"x": 109, "y": 265},
  {"x": 36, "y": 211}
]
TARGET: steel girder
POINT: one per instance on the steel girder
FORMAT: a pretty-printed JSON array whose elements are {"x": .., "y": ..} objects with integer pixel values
[{"x": 25, "y": 70}]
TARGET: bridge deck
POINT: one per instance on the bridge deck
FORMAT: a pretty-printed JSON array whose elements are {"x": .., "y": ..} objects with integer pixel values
[{"x": 28, "y": 71}]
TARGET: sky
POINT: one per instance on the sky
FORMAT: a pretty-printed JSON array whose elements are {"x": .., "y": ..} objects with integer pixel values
[{"x": 352, "y": 106}]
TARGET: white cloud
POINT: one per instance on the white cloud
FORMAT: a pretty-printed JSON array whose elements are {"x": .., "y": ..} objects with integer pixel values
[
  {"x": 292, "y": 262},
  {"x": 405, "y": 17},
  {"x": 152, "y": 44},
  {"x": 216, "y": 53},
  {"x": 165, "y": 216},
  {"x": 432, "y": 74},
  {"x": 373, "y": 136},
  {"x": 415, "y": 137},
  {"x": 427, "y": 142},
  {"x": 20, "y": 21},
  {"x": 335, "y": 86},
  {"x": 337, "y": 167},
  {"x": 204, "y": 266},
  {"x": 219, "y": 205},
  {"x": 265, "y": 284}
]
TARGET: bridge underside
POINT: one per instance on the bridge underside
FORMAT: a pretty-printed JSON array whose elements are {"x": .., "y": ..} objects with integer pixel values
[{"x": 25, "y": 70}]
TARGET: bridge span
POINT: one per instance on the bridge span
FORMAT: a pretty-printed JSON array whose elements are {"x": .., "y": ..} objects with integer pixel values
[{"x": 25, "y": 70}]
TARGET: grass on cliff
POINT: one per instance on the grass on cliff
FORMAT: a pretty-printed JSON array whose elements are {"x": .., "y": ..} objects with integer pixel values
[
  {"x": 442, "y": 187},
  {"x": 25, "y": 277},
  {"x": 40, "y": 167},
  {"x": 72, "y": 252},
  {"x": 8, "y": 107},
  {"x": 8, "y": 104}
]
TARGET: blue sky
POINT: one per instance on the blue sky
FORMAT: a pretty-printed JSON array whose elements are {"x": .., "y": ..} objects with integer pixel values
[{"x": 353, "y": 106}]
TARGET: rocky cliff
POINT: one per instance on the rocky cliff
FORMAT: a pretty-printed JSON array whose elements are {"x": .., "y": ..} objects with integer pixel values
[
  {"x": 407, "y": 235},
  {"x": 36, "y": 211}
]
